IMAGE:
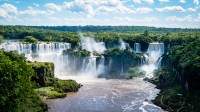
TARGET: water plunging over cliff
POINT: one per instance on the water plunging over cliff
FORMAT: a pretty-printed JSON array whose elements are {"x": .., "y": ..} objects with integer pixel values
[
  {"x": 96, "y": 94},
  {"x": 41, "y": 52},
  {"x": 153, "y": 58},
  {"x": 92, "y": 67},
  {"x": 137, "y": 48}
]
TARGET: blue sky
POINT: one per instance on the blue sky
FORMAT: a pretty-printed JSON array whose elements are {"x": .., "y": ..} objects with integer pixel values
[{"x": 159, "y": 13}]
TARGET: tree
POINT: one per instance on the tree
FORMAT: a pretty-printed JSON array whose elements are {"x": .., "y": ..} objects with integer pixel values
[
  {"x": 30, "y": 39},
  {"x": 16, "y": 89},
  {"x": 1, "y": 38},
  {"x": 146, "y": 33}
]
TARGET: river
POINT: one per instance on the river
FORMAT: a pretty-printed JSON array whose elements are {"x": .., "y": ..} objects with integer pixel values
[{"x": 113, "y": 95}]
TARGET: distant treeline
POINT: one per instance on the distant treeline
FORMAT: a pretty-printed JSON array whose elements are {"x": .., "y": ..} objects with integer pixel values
[
  {"x": 129, "y": 34},
  {"x": 132, "y": 29}
]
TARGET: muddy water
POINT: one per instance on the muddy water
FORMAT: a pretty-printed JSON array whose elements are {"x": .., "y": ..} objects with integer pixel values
[{"x": 101, "y": 95}]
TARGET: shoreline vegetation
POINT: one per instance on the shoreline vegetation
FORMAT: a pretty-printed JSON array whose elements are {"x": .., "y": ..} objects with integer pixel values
[
  {"x": 178, "y": 78},
  {"x": 25, "y": 89}
]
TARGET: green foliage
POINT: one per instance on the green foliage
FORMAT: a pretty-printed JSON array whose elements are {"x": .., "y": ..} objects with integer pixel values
[
  {"x": 63, "y": 85},
  {"x": 116, "y": 52},
  {"x": 1, "y": 38},
  {"x": 146, "y": 33},
  {"x": 30, "y": 39},
  {"x": 185, "y": 58},
  {"x": 16, "y": 88},
  {"x": 56, "y": 88},
  {"x": 127, "y": 29},
  {"x": 134, "y": 72},
  {"x": 79, "y": 52},
  {"x": 49, "y": 93},
  {"x": 43, "y": 70}
]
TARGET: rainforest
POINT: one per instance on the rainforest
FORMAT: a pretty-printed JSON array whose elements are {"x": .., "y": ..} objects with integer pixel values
[{"x": 99, "y": 68}]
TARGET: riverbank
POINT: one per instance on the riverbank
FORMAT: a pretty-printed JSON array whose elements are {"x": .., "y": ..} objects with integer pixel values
[{"x": 173, "y": 96}]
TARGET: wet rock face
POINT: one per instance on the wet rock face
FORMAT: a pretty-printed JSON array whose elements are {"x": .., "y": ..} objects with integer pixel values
[{"x": 43, "y": 72}]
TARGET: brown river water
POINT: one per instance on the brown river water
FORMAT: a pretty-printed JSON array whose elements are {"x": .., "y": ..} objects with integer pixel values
[{"x": 113, "y": 95}]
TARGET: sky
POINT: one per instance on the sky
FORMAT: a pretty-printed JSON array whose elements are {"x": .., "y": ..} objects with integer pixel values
[{"x": 158, "y": 13}]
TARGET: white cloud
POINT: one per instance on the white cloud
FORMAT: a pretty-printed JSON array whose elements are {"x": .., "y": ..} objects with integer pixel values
[
  {"x": 34, "y": 12},
  {"x": 192, "y": 9},
  {"x": 35, "y": 4},
  {"x": 196, "y": 2},
  {"x": 137, "y": 1},
  {"x": 149, "y": 1},
  {"x": 90, "y": 11},
  {"x": 180, "y": 19},
  {"x": 146, "y": 19},
  {"x": 53, "y": 7},
  {"x": 182, "y": 1},
  {"x": 198, "y": 18},
  {"x": 163, "y": 0},
  {"x": 171, "y": 8},
  {"x": 94, "y": 7},
  {"x": 143, "y": 10},
  {"x": 117, "y": 9},
  {"x": 8, "y": 10},
  {"x": 4, "y": 14},
  {"x": 140, "y": 1}
]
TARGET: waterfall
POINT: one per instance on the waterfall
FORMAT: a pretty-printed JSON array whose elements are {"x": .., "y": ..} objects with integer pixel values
[
  {"x": 101, "y": 66},
  {"x": 123, "y": 45},
  {"x": 43, "y": 52},
  {"x": 137, "y": 48},
  {"x": 153, "y": 58},
  {"x": 90, "y": 67}
]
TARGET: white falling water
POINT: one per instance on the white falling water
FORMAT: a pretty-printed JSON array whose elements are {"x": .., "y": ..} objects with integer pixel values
[
  {"x": 91, "y": 68},
  {"x": 153, "y": 59},
  {"x": 101, "y": 66},
  {"x": 52, "y": 52},
  {"x": 44, "y": 52},
  {"x": 137, "y": 48},
  {"x": 91, "y": 45},
  {"x": 123, "y": 45}
]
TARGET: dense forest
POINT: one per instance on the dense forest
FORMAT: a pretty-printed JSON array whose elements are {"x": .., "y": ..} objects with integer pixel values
[
  {"x": 178, "y": 79},
  {"x": 127, "y": 29},
  {"x": 110, "y": 38},
  {"x": 25, "y": 85}
]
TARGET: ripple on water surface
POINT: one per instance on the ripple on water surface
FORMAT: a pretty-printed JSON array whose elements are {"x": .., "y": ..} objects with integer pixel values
[{"x": 114, "y": 95}]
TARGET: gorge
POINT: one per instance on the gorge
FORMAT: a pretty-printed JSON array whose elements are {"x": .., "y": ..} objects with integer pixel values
[{"x": 91, "y": 59}]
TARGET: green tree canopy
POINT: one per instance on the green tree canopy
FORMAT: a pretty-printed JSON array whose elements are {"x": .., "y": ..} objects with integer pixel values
[{"x": 16, "y": 89}]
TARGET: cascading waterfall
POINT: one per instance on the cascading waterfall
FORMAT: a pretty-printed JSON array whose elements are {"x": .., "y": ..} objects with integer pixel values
[
  {"x": 101, "y": 66},
  {"x": 123, "y": 45},
  {"x": 153, "y": 59},
  {"x": 92, "y": 67},
  {"x": 137, "y": 48},
  {"x": 42, "y": 52}
]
